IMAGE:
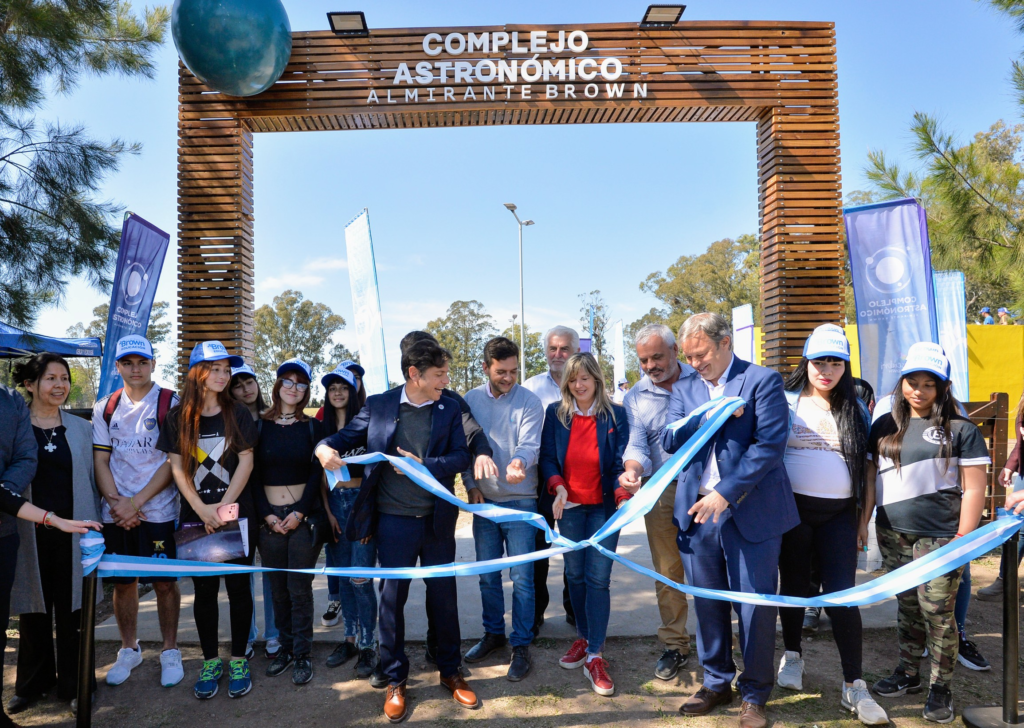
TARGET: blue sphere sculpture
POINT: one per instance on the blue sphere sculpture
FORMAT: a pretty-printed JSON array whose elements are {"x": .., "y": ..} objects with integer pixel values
[{"x": 237, "y": 47}]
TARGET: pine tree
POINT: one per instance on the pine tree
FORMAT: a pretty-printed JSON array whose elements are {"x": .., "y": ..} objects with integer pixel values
[{"x": 52, "y": 226}]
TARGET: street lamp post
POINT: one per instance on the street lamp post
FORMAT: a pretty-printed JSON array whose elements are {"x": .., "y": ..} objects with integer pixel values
[{"x": 522, "y": 311}]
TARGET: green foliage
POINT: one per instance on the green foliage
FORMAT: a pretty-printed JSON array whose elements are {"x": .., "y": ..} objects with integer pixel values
[
  {"x": 724, "y": 276},
  {"x": 974, "y": 197},
  {"x": 463, "y": 331},
  {"x": 290, "y": 327},
  {"x": 52, "y": 227},
  {"x": 533, "y": 358},
  {"x": 49, "y": 40},
  {"x": 598, "y": 343}
]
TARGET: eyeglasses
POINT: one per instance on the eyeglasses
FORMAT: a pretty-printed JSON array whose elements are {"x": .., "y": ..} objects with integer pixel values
[{"x": 290, "y": 384}]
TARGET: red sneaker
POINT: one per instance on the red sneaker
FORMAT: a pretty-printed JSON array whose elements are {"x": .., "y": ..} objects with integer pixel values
[
  {"x": 576, "y": 655},
  {"x": 597, "y": 673}
]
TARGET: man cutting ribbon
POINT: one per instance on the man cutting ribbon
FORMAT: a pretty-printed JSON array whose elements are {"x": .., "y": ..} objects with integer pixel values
[{"x": 733, "y": 503}]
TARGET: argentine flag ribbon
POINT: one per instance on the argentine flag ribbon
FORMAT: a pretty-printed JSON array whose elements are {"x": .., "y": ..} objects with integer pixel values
[{"x": 712, "y": 416}]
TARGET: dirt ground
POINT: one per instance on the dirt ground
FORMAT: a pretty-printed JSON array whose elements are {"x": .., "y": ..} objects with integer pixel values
[{"x": 548, "y": 697}]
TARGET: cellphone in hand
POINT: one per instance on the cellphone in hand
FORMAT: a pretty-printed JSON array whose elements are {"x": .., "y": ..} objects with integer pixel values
[{"x": 228, "y": 512}]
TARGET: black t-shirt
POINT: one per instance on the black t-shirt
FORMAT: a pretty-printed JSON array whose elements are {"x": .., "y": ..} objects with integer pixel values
[
  {"x": 216, "y": 459},
  {"x": 53, "y": 485},
  {"x": 923, "y": 497},
  {"x": 284, "y": 456}
]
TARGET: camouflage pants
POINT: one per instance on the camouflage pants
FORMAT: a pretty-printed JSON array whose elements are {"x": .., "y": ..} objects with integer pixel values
[{"x": 925, "y": 616}]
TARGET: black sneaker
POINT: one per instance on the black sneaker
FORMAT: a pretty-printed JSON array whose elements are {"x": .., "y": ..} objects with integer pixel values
[
  {"x": 897, "y": 684},
  {"x": 812, "y": 615},
  {"x": 342, "y": 654},
  {"x": 970, "y": 657},
  {"x": 332, "y": 615},
  {"x": 378, "y": 679},
  {"x": 281, "y": 663},
  {"x": 939, "y": 706},
  {"x": 486, "y": 646},
  {"x": 367, "y": 661},
  {"x": 669, "y": 664},
  {"x": 519, "y": 667},
  {"x": 302, "y": 673}
]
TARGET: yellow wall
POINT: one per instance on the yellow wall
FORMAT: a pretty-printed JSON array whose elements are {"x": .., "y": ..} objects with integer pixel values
[{"x": 995, "y": 359}]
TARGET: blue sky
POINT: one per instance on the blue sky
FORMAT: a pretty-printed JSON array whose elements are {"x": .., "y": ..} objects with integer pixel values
[{"x": 612, "y": 203}]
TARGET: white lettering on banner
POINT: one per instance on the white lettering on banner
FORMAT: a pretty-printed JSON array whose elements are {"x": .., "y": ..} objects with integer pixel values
[{"x": 513, "y": 72}]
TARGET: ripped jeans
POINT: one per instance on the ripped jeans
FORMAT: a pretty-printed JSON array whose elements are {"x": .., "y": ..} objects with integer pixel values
[{"x": 358, "y": 598}]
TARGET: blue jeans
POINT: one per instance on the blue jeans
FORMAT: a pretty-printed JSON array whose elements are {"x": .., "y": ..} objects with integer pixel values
[
  {"x": 269, "y": 628},
  {"x": 358, "y": 599},
  {"x": 589, "y": 574},
  {"x": 494, "y": 540}
]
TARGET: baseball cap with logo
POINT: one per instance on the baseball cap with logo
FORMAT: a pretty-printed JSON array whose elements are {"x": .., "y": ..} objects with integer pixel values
[
  {"x": 213, "y": 351},
  {"x": 133, "y": 345},
  {"x": 341, "y": 373},
  {"x": 925, "y": 356},
  {"x": 1002, "y": 310},
  {"x": 244, "y": 369},
  {"x": 295, "y": 365},
  {"x": 827, "y": 340},
  {"x": 352, "y": 366}
]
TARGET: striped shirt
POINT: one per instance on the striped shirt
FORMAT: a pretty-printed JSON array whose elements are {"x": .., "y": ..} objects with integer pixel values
[{"x": 646, "y": 410}]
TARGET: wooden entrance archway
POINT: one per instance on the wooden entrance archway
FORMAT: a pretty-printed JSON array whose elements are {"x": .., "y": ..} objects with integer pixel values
[{"x": 780, "y": 75}]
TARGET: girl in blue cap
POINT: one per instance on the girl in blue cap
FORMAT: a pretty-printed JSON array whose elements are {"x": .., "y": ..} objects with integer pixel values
[
  {"x": 353, "y": 600},
  {"x": 287, "y": 494},
  {"x": 926, "y": 472},
  {"x": 825, "y": 461},
  {"x": 209, "y": 438}
]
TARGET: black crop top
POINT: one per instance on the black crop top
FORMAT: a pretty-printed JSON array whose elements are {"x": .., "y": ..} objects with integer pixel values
[{"x": 284, "y": 456}]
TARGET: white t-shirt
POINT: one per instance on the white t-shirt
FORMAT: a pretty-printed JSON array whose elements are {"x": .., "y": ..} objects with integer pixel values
[
  {"x": 545, "y": 388},
  {"x": 131, "y": 441},
  {"x": 814, "y": 459}
]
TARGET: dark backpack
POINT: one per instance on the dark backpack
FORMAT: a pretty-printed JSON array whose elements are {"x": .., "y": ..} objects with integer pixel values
[{"x": 163, "y": 405}]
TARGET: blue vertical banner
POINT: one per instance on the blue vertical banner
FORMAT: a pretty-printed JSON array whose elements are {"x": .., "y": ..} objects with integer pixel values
[
  {"x": 951, "y": 314},
  {"x": 139, "y": 262},
  {"x": 362, "y": 275},
  {"x": 891, "y": 268}
]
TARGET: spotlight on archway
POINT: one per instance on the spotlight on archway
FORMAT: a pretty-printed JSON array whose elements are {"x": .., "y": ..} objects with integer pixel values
[
  {"x": 350, "y": 24},
  {"x": 662, "y": 16}
]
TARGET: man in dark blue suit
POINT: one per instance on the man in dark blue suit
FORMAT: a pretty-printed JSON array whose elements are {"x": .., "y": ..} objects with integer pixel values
[
  {"x": 733, "y": 503},
  {"x": 420, "y": 422}
]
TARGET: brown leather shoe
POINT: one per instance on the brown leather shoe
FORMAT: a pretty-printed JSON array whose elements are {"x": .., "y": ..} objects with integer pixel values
[
  {"x": 461, "y": 691},
  {"x": 753, "y": 716},
  {"x": 395, "y": 708},
  {"x": 705, "y": 700}
]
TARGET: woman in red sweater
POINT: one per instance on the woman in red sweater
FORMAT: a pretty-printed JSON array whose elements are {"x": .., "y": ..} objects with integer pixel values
[{"x": 580, "y": 462}]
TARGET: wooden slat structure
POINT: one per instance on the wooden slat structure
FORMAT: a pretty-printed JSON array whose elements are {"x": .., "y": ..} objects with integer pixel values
[
  {"x": 993, "y": 418},
  {"x": 779, "y": 75}
]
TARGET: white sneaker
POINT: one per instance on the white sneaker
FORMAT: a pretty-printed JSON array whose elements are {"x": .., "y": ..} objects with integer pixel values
[
  {"x": 857, "y": 699},
  {"x": 791, "y": 671},
  {"x": 171, "y": 671},
  {"x": 127, "y": 660}
]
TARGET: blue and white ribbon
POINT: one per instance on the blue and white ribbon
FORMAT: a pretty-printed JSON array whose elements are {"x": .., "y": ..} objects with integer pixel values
[{"x": 950, "y": 557}]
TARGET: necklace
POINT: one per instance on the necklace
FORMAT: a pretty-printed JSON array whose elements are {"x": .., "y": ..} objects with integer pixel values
[
  {"x": 287, "y": 417},
  {"x": 815, "y": 402},
  {"x": 49, "y": 447}
]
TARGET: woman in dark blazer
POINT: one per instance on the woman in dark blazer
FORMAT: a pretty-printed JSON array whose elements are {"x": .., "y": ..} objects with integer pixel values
[{"x": 581, "y": 451}]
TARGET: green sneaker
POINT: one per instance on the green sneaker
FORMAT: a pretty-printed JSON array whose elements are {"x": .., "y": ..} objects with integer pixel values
[
  {"x": 209, "y": 676},
  {"x": 239, "y": 680}
]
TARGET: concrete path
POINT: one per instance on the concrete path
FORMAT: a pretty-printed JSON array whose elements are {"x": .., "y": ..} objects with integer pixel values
[{"x": 634, "y": 608}]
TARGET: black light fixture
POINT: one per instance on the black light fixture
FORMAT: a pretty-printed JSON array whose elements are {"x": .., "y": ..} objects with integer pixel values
[
  {"x": 662, "y": 16},
  {"x": 350, "y": 24}
]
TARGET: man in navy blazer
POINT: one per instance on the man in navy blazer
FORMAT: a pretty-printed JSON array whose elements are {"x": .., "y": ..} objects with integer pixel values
[
  {"x": 410, "y": 524},
  {"x": 733, "y": 503}
]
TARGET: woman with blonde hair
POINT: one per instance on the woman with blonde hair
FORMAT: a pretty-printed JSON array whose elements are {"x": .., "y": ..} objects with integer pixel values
[{"x": 581, "y": 449}]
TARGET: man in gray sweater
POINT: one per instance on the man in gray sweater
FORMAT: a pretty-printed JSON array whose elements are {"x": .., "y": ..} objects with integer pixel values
[{"x": 512, "y": 418}]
